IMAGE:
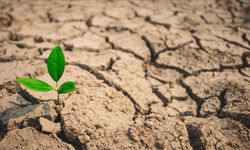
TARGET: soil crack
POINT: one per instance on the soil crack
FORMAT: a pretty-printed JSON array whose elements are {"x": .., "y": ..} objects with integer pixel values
[
  {"x": 113, "y": 46},
  {"x": 232, "y": 42},
  {"x": 153, "y": 54},
  {"x": 199, "y": 101}
]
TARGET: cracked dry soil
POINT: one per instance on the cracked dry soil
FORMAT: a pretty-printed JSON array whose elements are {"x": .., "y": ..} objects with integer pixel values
[{"x": 151, "y": 74}]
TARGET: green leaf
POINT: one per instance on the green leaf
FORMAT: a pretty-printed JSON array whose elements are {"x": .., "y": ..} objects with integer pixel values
[
  {"x": 35, "y": 85},
  {"x": 67, "y": 87},
  {"x": 56, "y": 63}
]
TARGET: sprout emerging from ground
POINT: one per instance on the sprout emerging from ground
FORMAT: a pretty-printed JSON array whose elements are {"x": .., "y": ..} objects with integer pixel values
[{"x": 56, "y": 66}]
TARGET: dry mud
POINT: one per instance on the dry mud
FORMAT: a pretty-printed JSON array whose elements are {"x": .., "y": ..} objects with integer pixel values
[{"x": 151, "y": 74}]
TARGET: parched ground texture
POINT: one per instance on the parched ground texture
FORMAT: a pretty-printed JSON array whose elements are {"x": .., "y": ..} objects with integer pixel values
[{"x": 151, "y": 74}]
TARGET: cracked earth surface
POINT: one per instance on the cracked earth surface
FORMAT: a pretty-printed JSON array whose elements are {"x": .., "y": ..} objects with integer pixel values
[{"x": 151, "y": 74}]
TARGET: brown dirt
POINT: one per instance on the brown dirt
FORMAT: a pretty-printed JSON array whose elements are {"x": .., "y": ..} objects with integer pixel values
[{"x": 151, "y": 74}]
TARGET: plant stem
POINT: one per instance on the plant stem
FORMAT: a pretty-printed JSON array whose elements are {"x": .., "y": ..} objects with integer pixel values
[{"x": 58, "y": 100}]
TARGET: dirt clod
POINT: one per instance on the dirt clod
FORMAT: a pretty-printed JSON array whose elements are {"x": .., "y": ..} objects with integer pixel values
[
  {"x": 29, "y": 138},
  {"x": 49, "y": 126}
]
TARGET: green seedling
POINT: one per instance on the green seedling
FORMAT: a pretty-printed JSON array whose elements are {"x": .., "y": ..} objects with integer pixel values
[{"x": 55, "y": 66}]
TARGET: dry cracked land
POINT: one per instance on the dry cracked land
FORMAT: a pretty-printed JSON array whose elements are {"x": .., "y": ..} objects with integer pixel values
[{"x": 152, "y": 74}]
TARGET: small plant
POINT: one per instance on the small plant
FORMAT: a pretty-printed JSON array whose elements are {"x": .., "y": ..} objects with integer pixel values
[{"x": 55, "y": 66}]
